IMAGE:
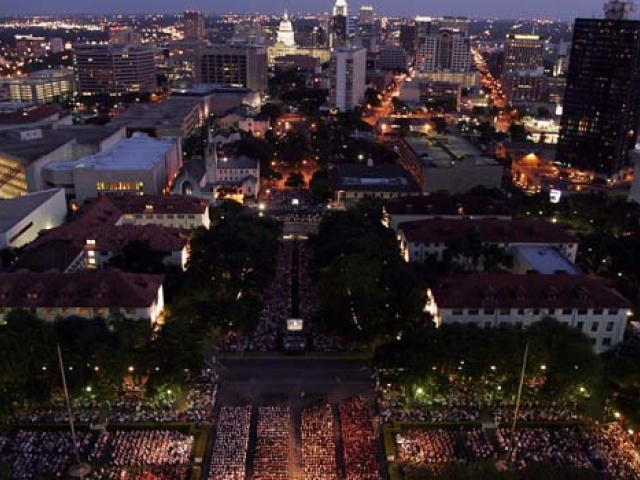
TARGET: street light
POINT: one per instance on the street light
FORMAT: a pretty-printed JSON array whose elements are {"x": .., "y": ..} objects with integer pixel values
[
  {"x": 131, "y": 369},
  {"x": 543, "y": 368}
]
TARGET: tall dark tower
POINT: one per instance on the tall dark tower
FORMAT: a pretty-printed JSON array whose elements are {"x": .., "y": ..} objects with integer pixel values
[{"x": 602, "y": 99}]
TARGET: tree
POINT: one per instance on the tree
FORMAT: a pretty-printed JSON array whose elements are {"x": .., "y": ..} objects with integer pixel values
[
  {"x": 139, "y": 257},
  {"x": 517, "y": 132},
  {"x": 320, "y": 186},
  {"x": 372, "y": 97},
  {"x": 271, "y": 110},
  {"x": 295, "y": 180}
]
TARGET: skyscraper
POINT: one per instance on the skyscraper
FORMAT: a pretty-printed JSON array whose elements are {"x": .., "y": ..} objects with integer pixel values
[
  {"x": 237, "y": 65},
  {"x": 193, "y": 25},
  {"x": 114, "y": 69},
  {"x": 448, "y": 50},
  {"x": 601, "y": 107},
  {"x": 339, "y": 28},
  {"x": 523, "y": 52},
  {"x": 348, "y": 80}
]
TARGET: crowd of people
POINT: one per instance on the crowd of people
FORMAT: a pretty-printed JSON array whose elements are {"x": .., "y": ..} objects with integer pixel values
[
  {"x": 558, "y": 447},
  {"x": 276, "y": 303},
  {"x": 197, "y": 406},
  {"x": 359, "y": 439},
  {"x": 440, "y": 446},
  {"x": 536, "y": 412},
  {"x": 393, "y": 406},
  {"x": 36, "y": 454},
  {"x": 271, "y": 457},
  {"x": 318, "y": 443},
  {"x": 461, "y": 405},
  {"x": 139, "y": 448},
  {"x": 293, "y": 206},
  {"x": 612, "y": 453},
  {"x": 229, "y": 456}
]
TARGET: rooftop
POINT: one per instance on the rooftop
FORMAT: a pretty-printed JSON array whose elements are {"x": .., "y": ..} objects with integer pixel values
[
  {"x": 30, "y": 150},
  {"x": 443, "y": 204},
  {"x": 547, "y": 260},
  {"x": 170, "y": 113},
  {"x": 441, "y": 230},
  {"x": 526, "y": 291},
  {"x": 29, "y": 115},
  {"x": 443, "y": 151},
  {"x": 15, "y": 209},
  {"x": 237, "y": 162},
  {"x": 80, "y": 289},
  {"x": 356, "y": 177},
  {"x": 139, "y": 152}
]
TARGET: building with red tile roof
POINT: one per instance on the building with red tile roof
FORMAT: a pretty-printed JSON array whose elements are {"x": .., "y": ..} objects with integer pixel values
[
  {"x": 492, "y": 300},
  {"x": 106, "y": 225},
  {"x": 84, "y": 294},
  {"x": 443, "y": 205},
  {"x": 424, "y": 238}
]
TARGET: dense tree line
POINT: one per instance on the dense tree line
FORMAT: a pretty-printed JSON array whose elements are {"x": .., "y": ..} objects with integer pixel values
[
  {"x": 563, "y": 355},
  {"x": 366, "y": 291}
]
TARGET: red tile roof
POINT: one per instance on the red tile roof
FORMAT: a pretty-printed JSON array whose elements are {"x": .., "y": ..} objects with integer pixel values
[
  {"x": 179, "y": 204},
  {"x": 526, "y": 291},
  {"x": 491, "y": 230},
  {"x": 96, "y": 221},
  {"x": 80, "y": 289},
  {"x": 444, "y": 204}
]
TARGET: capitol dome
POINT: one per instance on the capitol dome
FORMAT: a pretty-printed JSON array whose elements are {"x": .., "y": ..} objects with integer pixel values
[{"x": 285, "y": 31}]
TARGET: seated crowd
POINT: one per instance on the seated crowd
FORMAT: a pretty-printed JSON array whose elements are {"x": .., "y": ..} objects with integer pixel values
[
  {"x": 441, "y": 446},
  {"x": 318, "y": 443},
  {"x": 560, "y": 447},
  {"x": 229, "y": 456},
  {"x": 359, "y": 439},
  {"x": 131, "y": 454},
  {"x": 271, "y": 457}
]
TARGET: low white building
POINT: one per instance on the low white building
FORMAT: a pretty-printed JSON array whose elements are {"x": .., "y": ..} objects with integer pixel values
[
  {"x": 23, "y": 218},
  {"x": 139, "y": 165},
  {"x": 426, "y": 238},
  {"x": 180, "y": 211},
  {"x": 83, "y": 294},
  {"x": 489, "y": 301}
]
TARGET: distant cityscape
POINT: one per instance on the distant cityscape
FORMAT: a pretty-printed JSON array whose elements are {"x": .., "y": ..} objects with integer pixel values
[{"x": 341, "y": 245}]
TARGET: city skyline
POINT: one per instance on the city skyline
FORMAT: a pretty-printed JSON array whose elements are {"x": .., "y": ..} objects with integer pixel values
[{"x": 495, "y": 9}]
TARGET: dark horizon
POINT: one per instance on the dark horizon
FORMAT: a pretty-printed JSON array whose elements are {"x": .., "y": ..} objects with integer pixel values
[{"x": 503, "y": 9}]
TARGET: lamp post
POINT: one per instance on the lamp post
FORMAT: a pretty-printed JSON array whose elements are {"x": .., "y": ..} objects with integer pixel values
[{"x": 78, "y": 469}]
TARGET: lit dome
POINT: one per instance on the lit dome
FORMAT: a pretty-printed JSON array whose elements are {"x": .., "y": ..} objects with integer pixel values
[{"x": 285, "y": 31}]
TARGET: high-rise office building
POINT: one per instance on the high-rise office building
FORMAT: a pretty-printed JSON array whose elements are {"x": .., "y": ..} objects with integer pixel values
[
  {"x": 193, "y": 25},
  {"x": 239, "y": 65},
  {"x": 124, "y": 36},
  {"x": 448, "y": 50},
  {"x": 366, "y": 15},
  {"x": 114, "y": 69},
  {"x": 339, "y": 28},
  {"x": 348, "y": 79},
  {"x": 523, "y": 52},
  {"x": 601, "y": 108}
]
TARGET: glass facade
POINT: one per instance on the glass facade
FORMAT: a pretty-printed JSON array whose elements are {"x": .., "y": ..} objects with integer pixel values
[{"x": 602, "y": 97}]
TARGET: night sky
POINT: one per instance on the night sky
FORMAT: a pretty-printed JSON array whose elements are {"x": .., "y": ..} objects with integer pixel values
[{"x": 563, "y": 9}]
